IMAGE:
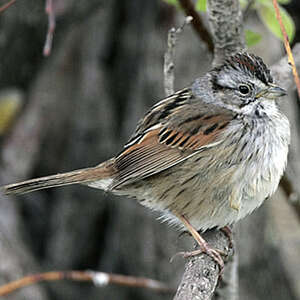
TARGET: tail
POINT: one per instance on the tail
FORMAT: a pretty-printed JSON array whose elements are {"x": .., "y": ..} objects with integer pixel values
[{"x": 99, "y": 176}]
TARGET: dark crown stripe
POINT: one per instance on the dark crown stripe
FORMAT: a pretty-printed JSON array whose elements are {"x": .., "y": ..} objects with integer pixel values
[{"x": 251, "y": 64}]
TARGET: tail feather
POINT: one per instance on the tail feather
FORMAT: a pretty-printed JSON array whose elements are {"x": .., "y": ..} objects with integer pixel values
[{"x": 84, "y": 176}]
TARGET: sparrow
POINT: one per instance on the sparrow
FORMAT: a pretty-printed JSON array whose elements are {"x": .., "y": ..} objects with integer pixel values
[{"x": 204, "y": 157}]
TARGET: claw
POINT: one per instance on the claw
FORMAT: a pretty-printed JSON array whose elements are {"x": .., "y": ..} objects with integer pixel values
[
  {"x": 204, "y": 246},
  {"x": 213, "y": 253}
]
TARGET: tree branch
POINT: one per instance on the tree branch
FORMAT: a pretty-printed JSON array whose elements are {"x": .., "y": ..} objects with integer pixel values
[
  {"x": 247, "y": 9},
  {"x": 51, "y": 27},
  {"x": 202, "y": 273},
  {"x": 6, "y": 5},
  {"x": 169, "y": 57},
  {"x": 225, "y": 19},
  {"x": 98, "y": 278},
  {"x": 197, "y": 23}
]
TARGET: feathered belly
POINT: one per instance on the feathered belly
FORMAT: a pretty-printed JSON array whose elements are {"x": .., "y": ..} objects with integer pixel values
[{"x": 216, "y": 187}]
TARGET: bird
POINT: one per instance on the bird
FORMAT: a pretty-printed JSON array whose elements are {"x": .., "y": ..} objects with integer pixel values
[{"x": 204, "y": 157}]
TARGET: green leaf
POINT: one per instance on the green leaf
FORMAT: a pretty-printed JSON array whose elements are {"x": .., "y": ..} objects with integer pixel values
[
  {"x": 252, "y": 38},
  {"x": 201, "y": 5},
  {"x": 267, "y": 14}
]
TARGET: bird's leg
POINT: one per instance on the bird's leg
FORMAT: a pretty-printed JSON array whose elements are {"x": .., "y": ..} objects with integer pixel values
[{"x": 204, "y": 246}]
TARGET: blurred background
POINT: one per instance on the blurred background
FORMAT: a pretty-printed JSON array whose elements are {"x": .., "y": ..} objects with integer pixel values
[{"x": 76, "y": 108}]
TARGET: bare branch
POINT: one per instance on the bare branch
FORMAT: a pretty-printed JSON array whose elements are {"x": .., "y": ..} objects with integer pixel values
[
  {"x": 247, "y": 9},
  {"x": 197, "y": 23},
  {"x": 201, "y": 273},
  {"x": 226, "y": 25},
  {"x": 51, "y": 27},
  {"x": 169, "y": 57},
  {"x": 6, "y": 6},
  {"x": 98, "y": 278}
]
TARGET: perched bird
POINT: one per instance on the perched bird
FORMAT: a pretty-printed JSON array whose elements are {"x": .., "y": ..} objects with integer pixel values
[{"x": 204, "y": 157}]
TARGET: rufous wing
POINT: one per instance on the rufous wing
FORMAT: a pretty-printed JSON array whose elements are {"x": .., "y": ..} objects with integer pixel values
[{"x": 165, "y": 145}]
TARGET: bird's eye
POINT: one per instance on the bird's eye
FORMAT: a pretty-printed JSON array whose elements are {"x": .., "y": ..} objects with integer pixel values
[{"x": 244, "y": 89}]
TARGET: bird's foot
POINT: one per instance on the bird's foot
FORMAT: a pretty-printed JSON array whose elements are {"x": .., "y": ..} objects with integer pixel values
[
  {"x": 204, "y": 246},
  {"x": 213, "y": 253}
]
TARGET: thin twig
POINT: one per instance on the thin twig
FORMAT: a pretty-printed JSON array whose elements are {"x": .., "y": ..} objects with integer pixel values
[
  {"x": 98, "y": 278},
  {"x": 169, "y": 57},
  {"x": 51, "y": 27},
  {"x": 287, "y": 47},
  {"x": 247, "y": 9},
  {"x": 197, "y": 23},
  {"x": 7, "y": 5}
]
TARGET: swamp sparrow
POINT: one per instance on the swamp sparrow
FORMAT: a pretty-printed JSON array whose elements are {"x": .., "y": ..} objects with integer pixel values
[{"x": 205, "y": 156}]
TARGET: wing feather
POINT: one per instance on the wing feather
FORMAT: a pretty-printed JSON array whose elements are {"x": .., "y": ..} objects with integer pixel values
[
  {"x": 162, "y": 142},
  {"x": 145, "y": 159}
]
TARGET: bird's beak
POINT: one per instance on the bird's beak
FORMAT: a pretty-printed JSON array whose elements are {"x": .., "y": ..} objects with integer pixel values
[{"x": 271, "y": 92}]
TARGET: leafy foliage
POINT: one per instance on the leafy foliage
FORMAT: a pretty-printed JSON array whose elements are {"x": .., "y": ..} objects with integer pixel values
[
  {"x": 267, "y": 14},
  {"x": 201, "y": 5},
  {"x": 252, "y": 38}
]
